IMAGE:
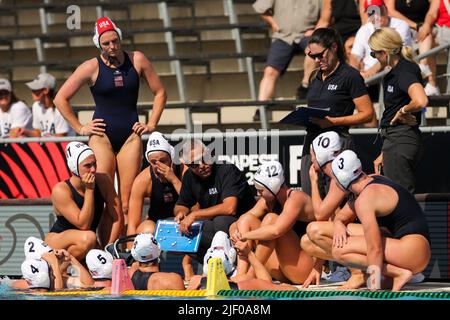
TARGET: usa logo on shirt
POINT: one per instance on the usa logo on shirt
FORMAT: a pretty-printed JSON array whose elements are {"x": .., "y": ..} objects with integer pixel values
[
  {"x": 332, "y": 87},
  {"x": 390, "y": 88},
  {"x": 212, "y": 191}
]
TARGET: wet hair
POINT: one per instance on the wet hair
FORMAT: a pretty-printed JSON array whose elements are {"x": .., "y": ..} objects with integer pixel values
[
  {"x": 326, "y": 37},
  {"x": 389, "y": 40}
]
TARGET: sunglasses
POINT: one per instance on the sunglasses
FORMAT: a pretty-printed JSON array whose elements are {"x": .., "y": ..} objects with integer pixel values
[
  {"x": 196, "y": 163},
  {"x": 317, "y": 55},
  {"x": 374, "y": 53},
  {"x": 193, "y": 165}
]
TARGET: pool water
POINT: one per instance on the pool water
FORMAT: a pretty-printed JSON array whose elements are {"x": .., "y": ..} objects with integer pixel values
[{"x": 6, "y": 293}]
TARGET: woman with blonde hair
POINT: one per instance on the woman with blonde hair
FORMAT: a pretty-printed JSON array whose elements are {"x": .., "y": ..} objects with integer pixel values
[{"x": 404, "y": 99}]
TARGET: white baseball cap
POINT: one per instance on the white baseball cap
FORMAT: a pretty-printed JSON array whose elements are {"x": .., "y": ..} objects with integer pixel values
[
  {"x": 222, "y": 248},
  {"x": 34, "y": 248},
  {"x": 99, "y": 263},
  {"x": 102, "y": 25},
  {"x": 270, "y": 175},
  {"x": 76, "y": 152},
  {"x": 43, "y": 80},
  {"x": 145, "y": 248},
  {"x": 5, "y": 85},
  {"x": 326, "y": 147},
  {"x": 346, "y": 168},
  {"x": 156, "y": 142},
  {"x": 36, "y": 273}
]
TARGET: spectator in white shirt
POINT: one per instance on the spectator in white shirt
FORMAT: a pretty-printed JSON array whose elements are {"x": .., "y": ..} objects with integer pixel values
[
  {"x": 378, "y": 18},
  {"x": 47, "y": 121},
  {"x": 15, "y": 116}
]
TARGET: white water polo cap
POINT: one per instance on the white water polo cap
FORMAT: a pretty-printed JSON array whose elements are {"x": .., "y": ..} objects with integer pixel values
[
  {"x": 222, "y": 248},
  {"x": 76, "y": 152},
  {"x": 346, "y": 168},
  {"x": 270, "y": 175},
  {"x": 101, "y": 26},
  {"x": 326, "y": 147},
  {"x": 156, "y": 142},
  {"x": 145, "y": 248},
  {"x": 36, "y": 273},
  {"x": 34, "y": 248},
  {"x": 99, "y": 263}
]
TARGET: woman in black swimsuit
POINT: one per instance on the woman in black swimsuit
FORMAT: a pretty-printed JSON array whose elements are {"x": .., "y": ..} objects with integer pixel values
[
  {"x": 381, "y": 202},
  {"x": 144, "y": 273},
  {"x": 82, "y": 205},
  {"x": 286, "y": 214},
  {"x": 114, "y": 132}
]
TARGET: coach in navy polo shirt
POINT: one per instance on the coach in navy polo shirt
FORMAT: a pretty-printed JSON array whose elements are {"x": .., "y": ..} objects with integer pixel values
[
  {"x": 336, "y": 86},
  {"x": 220, "y": 191},
  {"x": 404, "y": 100}
]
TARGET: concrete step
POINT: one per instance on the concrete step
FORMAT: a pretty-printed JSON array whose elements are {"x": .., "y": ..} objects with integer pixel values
[
  {"x": 160, "y": 49},
  {"x": 221, "y": 86},
  {"x": 143, "y": 10},
  {"x": 31, "y": 24},
  {"x": 142, "y": 15},
  {"x": 229, "y": 116}
]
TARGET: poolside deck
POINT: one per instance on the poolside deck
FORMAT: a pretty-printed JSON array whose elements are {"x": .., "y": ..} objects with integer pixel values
[{"x": 416, "y": 287}]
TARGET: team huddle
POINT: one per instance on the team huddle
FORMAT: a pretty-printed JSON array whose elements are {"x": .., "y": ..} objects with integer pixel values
[
  {"x": 278, "y": 240},
  {"x": 367, "y": 222}
]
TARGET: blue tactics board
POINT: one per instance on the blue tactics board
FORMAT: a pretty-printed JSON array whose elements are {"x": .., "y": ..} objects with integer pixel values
[
  {"x": 170, "y": 239},
  {"x": 300, "y": 116}
]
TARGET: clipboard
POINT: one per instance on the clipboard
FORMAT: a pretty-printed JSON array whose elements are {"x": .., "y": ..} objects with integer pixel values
[
  {"x": 170, "y": 239},
  {"x": 300, "y": 116}
]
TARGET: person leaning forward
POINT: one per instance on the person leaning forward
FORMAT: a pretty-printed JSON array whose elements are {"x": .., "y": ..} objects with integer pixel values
[{"x": 220, "y": 189}]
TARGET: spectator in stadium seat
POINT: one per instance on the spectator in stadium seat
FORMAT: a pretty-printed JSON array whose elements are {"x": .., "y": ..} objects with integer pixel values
[
  {"x": 414, "y": 12},
  {"x": 404, "y": 99},
  {"x": 291, "y": 22},
  {"x": 285, "y": 214},
  {"x": 114, "y": 132},
  {"x": 161, "y": 182},
  {"x": 47, "y": 120},
  {"x": 15, "y": 116},
  {"x": 217, "y": 193},
  {"x": 436, "y": 24},
  {"x": 360, "y": 57},
  {"x": 380, "y": 202},
  {"x": 335, "y": 86},
  {"x": 84, "y": 204},
  {"x": 345, "y": 17}
]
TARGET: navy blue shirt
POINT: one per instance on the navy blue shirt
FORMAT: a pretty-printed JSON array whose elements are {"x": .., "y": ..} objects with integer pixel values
[
  {"x": 226, "y": 180},
  {"x": 336, "y": 92},
  {"x": 395, "y": 88}
]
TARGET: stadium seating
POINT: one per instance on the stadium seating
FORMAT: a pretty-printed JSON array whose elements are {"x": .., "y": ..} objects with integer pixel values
[{"x": 210, "y": 45}]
